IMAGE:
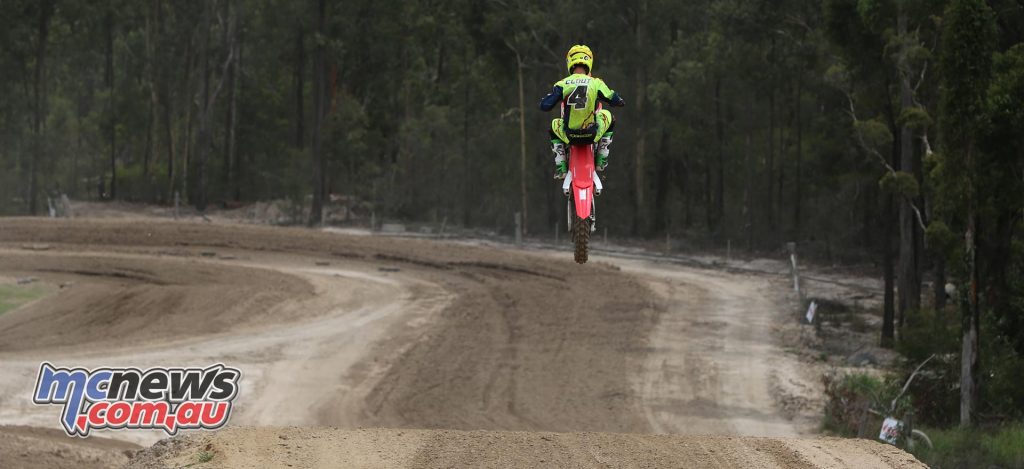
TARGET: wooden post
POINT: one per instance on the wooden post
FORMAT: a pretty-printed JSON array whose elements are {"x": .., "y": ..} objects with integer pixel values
[
  {"x": 606, "y": 235},
  {"x": 66, "y": 203},
  {"x": 519, "y": 228},
  {"x": 728, "y": 250},
  {"x": 795, "y": 271},
  {"x": 177, "y": 203},
  {"x": 862, "y": 423},
  {"x": 556, "y": 232}
]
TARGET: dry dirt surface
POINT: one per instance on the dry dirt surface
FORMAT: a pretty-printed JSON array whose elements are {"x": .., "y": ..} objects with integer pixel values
[
  {"x": 384, "y": 448},
  {"x": 31, "y": 447},
  {"x": 455, "y": 354}
]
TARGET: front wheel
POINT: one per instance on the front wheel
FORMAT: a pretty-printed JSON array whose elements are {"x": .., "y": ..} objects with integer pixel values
[{"x": 581, "y": 238}]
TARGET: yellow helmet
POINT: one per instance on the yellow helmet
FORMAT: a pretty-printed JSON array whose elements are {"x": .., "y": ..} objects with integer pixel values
[{"x": 579, "y": 55}]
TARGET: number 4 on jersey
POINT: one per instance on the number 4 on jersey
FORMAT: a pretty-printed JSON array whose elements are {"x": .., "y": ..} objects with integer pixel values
[{"x": 578, "y": 98}]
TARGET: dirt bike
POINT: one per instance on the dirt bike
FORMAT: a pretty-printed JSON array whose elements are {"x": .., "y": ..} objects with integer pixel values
[
  {"x": 897, "y": 431},
  {"x": 580, "y": 185}
]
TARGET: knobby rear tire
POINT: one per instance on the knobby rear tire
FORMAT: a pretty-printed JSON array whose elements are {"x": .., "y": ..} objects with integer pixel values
[{"x": 581, "y": 238}]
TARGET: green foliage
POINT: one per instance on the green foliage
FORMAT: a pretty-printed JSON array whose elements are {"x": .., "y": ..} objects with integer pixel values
[
  {"x": 939, "y": 237},
  {"x": 901, "y": 183},
  {"x": 875, "y": 133},
  {"x": 1006, "y": 93},
  {"x": 877, "y": 15},
  {"x": 935, "y": 391},
  {"x": 1003, "y": 368},
  {"x": 915, "y": 118},
  {"x": 205, "y": 456},
  {"x": 848, "y": 394},
  {"x": 838, "y": 76},
  {"x": 968, "y": 38},
  {"x": 1002, "y": 446}
]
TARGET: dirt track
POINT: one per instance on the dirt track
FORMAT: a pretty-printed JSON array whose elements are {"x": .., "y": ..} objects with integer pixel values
[{"x": 356, "y": 331}]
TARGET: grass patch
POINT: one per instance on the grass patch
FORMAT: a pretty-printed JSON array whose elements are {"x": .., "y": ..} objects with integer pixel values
[
  {"x": 12, "y": 296},
  {"x": 847, "y": 394},
  {"x": 963, "y": 448}
]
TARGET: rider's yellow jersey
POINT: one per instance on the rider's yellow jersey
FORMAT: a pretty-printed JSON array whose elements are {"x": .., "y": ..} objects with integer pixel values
[{"x": 581, "y": 93}]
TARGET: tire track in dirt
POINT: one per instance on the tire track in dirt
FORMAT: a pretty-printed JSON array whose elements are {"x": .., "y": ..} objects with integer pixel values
[
  {"x": 308, "y": 361},
  {"x": 715, "y": 365},
  {"x": 522, "y": 343}
]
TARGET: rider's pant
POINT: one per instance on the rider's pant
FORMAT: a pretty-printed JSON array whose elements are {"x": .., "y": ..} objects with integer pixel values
[{"x": 604, "y": 124}]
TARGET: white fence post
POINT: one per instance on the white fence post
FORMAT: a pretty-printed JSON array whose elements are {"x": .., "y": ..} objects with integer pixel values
[{"x": 795, "y": 270}]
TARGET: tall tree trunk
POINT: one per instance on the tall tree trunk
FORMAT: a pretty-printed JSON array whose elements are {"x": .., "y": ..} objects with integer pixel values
[
  {"x": 467, "y": 159},
  {"x": 770, "y": 170},
  {"x": 748, "y": 212},
  {"x": 639, "y": 219},
  {"x": 709, "y": 215},
  {"x": 237, "y": 169},
  {"x": 684, "y": 187},
  {"x": 73, "y": 183},
  {"x": 939, "y": 287},
  {"x": 662, "y": 183},
  {"x": 153, "y": 133},
  {"x": 522, "y": 145},
  {"x": 231, "y": 116},
  {"x": 909, "y": 278},
  {"x": 316, "y": 216},
  {"x": 112, "y": 120},
  {"x": 971, "y": 314},
  {"x": 888, "y": 308},
  {"x": 39, "y": 126},
  {"x": 780, "y": 188},
  {"x": 165, "y": 100},
  {"x": 720, "y": 141},
  {"x": 203, "y": 138},
  {"x": 186, "y": 134},
  {"x": 300, "y": 84},
  {"x": 159, "y": 95},
  {"x": 799, "y": 160}
]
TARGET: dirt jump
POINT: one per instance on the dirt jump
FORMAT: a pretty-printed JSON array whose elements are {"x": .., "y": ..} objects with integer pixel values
[{"x": 372, "y": 351}]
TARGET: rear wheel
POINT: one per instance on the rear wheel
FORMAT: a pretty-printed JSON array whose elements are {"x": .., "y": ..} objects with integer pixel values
[
  {"x": 580, "y": 237},
  {"x": 917, "y": 437}
]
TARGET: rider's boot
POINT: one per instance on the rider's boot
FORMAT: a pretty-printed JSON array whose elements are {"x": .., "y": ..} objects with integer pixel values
[
  {"x": 558, "y": 148},
  {"x": 602, "y": 152}
]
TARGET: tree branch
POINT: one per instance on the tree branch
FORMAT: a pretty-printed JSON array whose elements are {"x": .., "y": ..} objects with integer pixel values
[
  {"x": 907, "y": 384},
  {"x": 881, "y": 158}
]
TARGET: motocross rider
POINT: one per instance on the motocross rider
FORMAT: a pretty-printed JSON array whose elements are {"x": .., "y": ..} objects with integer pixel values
[{"x": 581, "y": 121}]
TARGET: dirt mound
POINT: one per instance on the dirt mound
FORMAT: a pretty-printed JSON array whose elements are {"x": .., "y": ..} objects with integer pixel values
[
  {"x": 27, "y": 447},
  {"x": 139, "y": 299},
  {"x": 389, "y": 448}
]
